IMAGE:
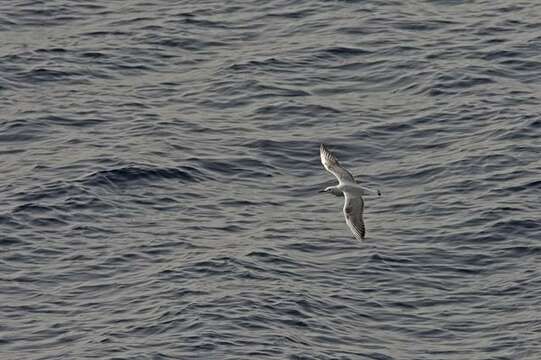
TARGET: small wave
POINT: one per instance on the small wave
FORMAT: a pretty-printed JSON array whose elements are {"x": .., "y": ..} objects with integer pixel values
[
  {"x": 243, "y": 167},
  {"x": 6, "y": 241},
  {"x": 65, "y": 121},
  {"x": 135, "y": 173},
  {"x": 50, "y": 190},
  {"x": 516, "y": 226},
  {"x": 54, "y": 50},
  {"x": 309, "y": 110},
  {"x": 40, "y": 75},
  {"x": 32, "y": 208},
  {"x": 345, "y": 51},
  {"x": 299, "y": 14},
  {"x": 48, "y": 222},
  {"x": 267, "y": 64},
  {"x": 23, "y": 130},
  {"x": 186, "y": 43}
]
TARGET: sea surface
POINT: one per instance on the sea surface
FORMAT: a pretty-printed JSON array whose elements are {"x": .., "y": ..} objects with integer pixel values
[{"x": 159, "y": 177}]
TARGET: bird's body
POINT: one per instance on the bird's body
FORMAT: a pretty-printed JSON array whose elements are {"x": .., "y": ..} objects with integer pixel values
[
  {"x": 353, "y": 192},
  {"x": 354, "y": 189}
]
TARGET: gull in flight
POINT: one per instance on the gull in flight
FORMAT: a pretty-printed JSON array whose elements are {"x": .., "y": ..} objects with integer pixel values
[{"x": 354, "y": 203}]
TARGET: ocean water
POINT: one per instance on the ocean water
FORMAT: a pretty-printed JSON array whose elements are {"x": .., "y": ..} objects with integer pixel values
[{"x": 160, "y": 174}]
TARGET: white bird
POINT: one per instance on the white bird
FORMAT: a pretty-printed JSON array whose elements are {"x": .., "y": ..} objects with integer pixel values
[{"x": 354, "y": 203}]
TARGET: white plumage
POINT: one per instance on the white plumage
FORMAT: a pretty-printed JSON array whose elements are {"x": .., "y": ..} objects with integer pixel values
[{"x": 354, "y": 203}]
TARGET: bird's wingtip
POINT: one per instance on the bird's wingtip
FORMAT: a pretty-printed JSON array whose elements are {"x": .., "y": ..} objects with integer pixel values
[{"x": 323, "y": 147}]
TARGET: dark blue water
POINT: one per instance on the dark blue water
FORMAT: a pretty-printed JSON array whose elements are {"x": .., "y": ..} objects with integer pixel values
[{"x": 160, "y": 168}]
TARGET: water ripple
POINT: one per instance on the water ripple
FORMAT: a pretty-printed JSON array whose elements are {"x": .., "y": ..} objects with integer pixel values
[{"x": 161, "y": 173}]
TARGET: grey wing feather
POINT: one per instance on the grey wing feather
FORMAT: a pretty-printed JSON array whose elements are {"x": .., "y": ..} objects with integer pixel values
[
  {"x": 332, "y": 165},
  {"x": 353, "y": 212}
]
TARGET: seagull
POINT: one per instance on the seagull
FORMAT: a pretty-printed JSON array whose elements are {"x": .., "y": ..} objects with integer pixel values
[{"x": 354, "y": 203}]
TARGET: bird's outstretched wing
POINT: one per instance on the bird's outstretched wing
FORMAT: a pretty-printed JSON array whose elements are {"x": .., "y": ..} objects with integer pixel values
[
  {"x": 353, "y": 211},
  {"x": 333, "y": 166}
]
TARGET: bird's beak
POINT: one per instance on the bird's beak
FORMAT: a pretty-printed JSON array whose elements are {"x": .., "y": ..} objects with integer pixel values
[{"x": 320, "y": 191}]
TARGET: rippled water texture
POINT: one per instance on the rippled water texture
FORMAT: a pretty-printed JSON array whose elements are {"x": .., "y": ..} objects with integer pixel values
[{"x": 160, "y": 171}]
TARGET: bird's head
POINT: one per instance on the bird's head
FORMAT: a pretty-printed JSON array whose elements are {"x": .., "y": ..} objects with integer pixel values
[{"x": 331, "y": 189}]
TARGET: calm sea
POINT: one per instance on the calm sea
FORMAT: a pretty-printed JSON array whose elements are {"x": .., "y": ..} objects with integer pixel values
[{"x": 159, "y": 177}]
